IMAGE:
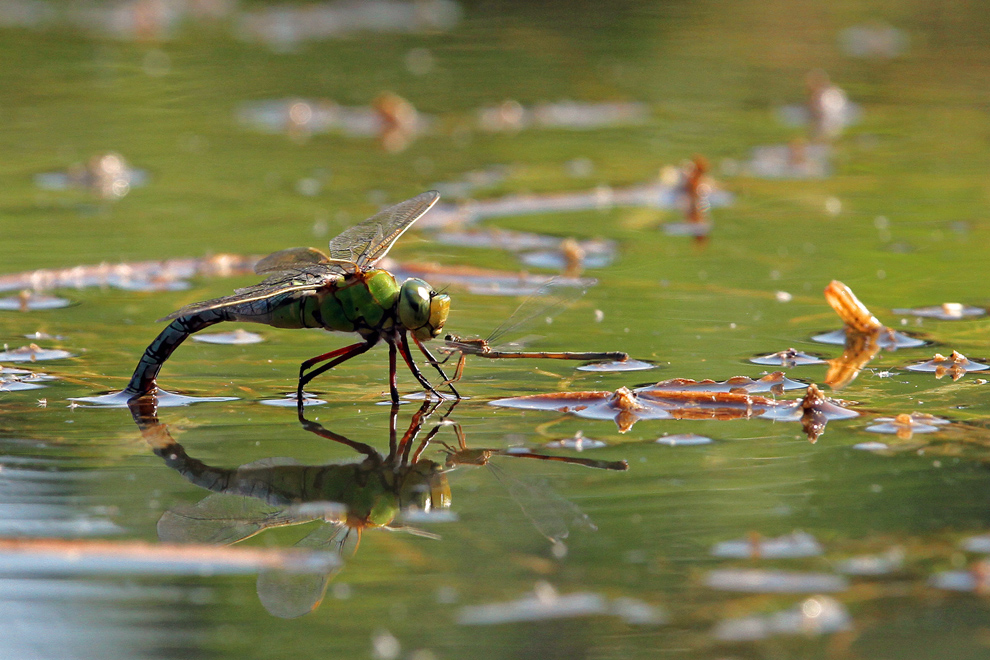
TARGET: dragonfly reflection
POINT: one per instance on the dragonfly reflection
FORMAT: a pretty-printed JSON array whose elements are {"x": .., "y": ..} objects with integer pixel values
[{"x": 376, "y": 493}]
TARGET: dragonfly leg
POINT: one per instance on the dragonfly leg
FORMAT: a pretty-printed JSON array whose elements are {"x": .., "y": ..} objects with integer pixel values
[
  {"x": 436, "y": 365},
  {"x": 393, "y": 387},
  {"x": 334, "y": 357},
  {"x": 407, "y": 356}
]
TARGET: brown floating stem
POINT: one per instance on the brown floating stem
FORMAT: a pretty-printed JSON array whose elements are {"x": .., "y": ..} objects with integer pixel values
[{"x": 853, "y": 313}]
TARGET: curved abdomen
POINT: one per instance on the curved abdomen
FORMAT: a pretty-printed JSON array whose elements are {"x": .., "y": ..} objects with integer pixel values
[{"x": 143, "y": 379}]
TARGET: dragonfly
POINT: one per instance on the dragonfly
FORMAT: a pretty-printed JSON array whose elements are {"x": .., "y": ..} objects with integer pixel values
[
  {"x": 535, "y": 306},
  {"x": 340, "y": 291}
]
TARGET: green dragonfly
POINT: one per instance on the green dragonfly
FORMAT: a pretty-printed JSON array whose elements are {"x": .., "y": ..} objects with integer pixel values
[{"x": 342, "y": 291}]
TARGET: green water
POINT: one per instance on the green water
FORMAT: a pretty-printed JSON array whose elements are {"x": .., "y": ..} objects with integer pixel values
[{"x": 712, "y": 74}]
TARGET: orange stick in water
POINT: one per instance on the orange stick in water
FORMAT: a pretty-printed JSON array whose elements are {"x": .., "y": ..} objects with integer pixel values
[{"x": 852, "y": 312}]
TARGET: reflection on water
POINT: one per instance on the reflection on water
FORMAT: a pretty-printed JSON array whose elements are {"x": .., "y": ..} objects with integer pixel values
[{"x": 382, "y": 492}]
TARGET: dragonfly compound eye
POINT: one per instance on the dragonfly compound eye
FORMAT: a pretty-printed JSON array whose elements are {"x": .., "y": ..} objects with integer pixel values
[{"x": 422, "y": 311}]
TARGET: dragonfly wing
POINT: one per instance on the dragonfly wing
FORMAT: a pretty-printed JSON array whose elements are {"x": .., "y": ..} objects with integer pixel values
[
  {"x": 301, "y": 279},
  {"x": 289, "y": 595},
  {"x": 290, "y": 258},
  {"x": 551, "y": 514},
  {"x": 218, "y": 519},
  {"x": 365, "y": 244},
  {"x": 544, "y": 304}
]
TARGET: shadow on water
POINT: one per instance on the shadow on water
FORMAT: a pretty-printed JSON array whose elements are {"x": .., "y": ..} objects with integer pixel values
[{"x": 380, "y": 492}]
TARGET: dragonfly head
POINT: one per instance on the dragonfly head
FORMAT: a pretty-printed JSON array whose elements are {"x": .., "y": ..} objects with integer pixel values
[
  {"x": 422, "y": 310},
  {"x": 425, "y": 488}
]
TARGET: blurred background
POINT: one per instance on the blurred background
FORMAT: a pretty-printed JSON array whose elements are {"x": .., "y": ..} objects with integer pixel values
[{"x": 693, "y": 173}]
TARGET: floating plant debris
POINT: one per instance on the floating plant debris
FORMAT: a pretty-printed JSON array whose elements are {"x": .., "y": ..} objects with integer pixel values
[
  {"x": 472, "y": 181},
  {"x": 33, "y": 353},
  {"x": 873, "y": 40},
  {"x": 618, "y": 365},
  {"x": 979, "y": 544},
  {"x": 286, "y": 26},
  {"x": 578, "y": 443},
  {"x": 106, "y": 175},
  {"x": 905, "y": 425},
  {"x": 22, "y": 555},
  {"x": 566, "y": 254},
  {"x": 15, "y": 384},
  {"x": 858, "y": 319},
  {"x": 775, "y": 382},
  {"x": 485, "y": 281},
  {"x": 545, "y": 603},
  {"x": 787, "y": 358},
  {"x": 827, "y": 111},
  {"x": 873, "y": 565},
  {"x": 622, "y": 406},
  {"x": 873, "y": 445},
  {"x": 390, "y": 118},
  {"x": 655, "y": 194},
  {"x": 691, "y": 401},
  {"x": 512, "y": 116},
  {"x": 853, "y": 313},
  {"x": 235, "y": 337},
  {"x": 976, "y": 579},
  {"x": 796, "y": 160},
  {"x": 863, "y": 336},
  {"x": 165, "y": 275},
  {"x": 162, "y": 398},
  {"x": 796, "y": 544},
  {"x": 956, "y": 365},
  {"x": 41, "y": 336},
  {"x": 945, "y": 312},
  {"x": 762, "y": 581},
  {"x": 16, "y": 380},
  {"x": 290, "y": 401},
  {"x": 819, "y": 615},
  {"x": 684, "y": 440},
  {"x": 29, "y": 301}
]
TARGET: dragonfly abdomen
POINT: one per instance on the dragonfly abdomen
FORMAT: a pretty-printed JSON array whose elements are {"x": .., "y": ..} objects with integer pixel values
[{"x": 143, "y": 379}]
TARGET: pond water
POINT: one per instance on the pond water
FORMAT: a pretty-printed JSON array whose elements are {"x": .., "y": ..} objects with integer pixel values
[{"x": 245, "y": 128}]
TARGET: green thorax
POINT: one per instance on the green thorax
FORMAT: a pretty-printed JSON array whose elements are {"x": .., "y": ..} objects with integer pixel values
[{"x": 356, "y": 303}]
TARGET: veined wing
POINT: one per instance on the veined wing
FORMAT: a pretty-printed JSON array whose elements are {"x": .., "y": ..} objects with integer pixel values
[
  {"x": 365, "y": 244},
  {"x": 290, "y": 595},
  {"x": 303, "y": 278},
  {"x": 220, "y": 519},
  {"x": 298, "y": 257},
  {"x": 548, "y": 301}
]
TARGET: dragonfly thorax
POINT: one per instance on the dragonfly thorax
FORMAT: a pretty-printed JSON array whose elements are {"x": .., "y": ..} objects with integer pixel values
[{"x": 422, "y": 310}]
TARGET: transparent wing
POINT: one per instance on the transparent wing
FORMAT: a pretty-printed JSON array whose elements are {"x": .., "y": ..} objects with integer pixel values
[
  {"x": 290, "y": 595},
  {"x": 219, "y": 519},
  {"x": 293, "y": 258},
  {"x": 303, "y": 278},
  {"x": 548, "y": 301},
  {"x": 365, "y": 244},
  {"x": 551, "y": 514}
]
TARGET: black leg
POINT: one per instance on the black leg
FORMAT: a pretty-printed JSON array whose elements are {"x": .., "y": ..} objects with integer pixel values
[
  {"x": 393, "y": 387},
  {"x": 436, "y": 365},
  {"x": 407, "y": 356}
]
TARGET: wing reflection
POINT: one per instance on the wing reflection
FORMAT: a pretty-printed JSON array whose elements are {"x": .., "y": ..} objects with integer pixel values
[{"x": 379, "y": 492}]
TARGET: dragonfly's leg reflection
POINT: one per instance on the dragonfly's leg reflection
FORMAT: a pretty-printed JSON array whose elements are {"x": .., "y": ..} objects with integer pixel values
[{"x": 335, "y": 357}]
